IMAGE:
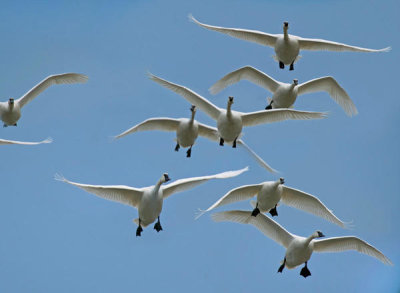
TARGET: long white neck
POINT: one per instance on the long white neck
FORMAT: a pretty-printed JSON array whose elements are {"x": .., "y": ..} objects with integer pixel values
[
  {"x": 192, "y": 117},
  {"x": 228, "y": 109},
  {"x": 285, "y": 34},
  {"x": 158, "y": 185}
]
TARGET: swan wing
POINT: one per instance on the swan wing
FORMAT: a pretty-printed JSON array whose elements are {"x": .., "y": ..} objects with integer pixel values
[
  {"x": 243, "y": 34},
  {"x": 165, "y": 124},
  {"x": 267, "y": 226},
  {"x": 258, "y": 159},
  {"x": 119, "y": 193},
  {"x": 192, "y": 97},
  {"x": 208, "y": 132},
  {"x": 249, "y": 73},
  {"x": 49, "y": 81},
  {"x": 308, "y": 203},
  {"x": 337, "y": 244},
  {"x": 329, "y": 85},
  {"x": 275, "y": 115},
  {"x": 4, "y": 141},
  {"x": 234, "y": 195},
  {"x": 187, "y": 183},
  {"x": 319, "y": 44}
]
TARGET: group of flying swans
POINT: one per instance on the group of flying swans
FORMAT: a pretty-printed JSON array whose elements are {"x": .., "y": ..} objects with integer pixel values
[
  {"x": 299, "y": 249},
  {"x": 269, "y": 194},
  {"x": 148, "y": 200},
  {"x": 285, "y": 94},
  {"x": 5, "y": 141},
  {"x": 229, "y": 122},
  {"x": 187, "y": 131},
  {"x": 10, "y": 111},
  {"x": 286, "y": 46}
]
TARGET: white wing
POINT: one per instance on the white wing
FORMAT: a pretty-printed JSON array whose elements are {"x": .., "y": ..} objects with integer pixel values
[
  {"x": 49, "y": 81},
  {"x": 275, "y": 115},
  {"x": 192, "y": 97},
  {"x": 166, "y": 124},
  {"x": 187, "y": 183},
  {"x": 318, "y": 44},
  {"x": 243, "y": 34},
  {"x": 4, "y": 141},
  {"x": 337, "y": 244},
  {"x": 249, "y": 73},
  {"x": 330, "y": 85},
  {"x": 208, "y": 132},
  {"x": 119, "y": 193},
  {"x": 267, "y": 226},
  {"x": 308, "y": 203},
  {"x": 258, "y": 159},
  {"x": 234, "y": 195}
]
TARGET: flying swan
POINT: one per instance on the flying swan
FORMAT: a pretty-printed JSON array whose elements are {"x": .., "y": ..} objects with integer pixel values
[
  {"x": 187, "y": 131},
  {"x": 148, "y": 200},
  {"x": 269, "y": 194},
  {"x": 287, "y": 47},
  {"x": 5, "y": 141},
  {"x": 285, "y": 94},
  {"x": 10, "y": 111},
  {"x": 230, "y": 123},
  {"x": 299, "y": 249}
]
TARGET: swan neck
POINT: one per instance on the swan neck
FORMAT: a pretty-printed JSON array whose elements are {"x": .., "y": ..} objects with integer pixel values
[
  {"x": 228, "y": 109},
  {"x": 158, "y": 185},
  {"x": 192, "y": 117},
  {"x": 309, "y": 239},
  {"x": 285, "y": 34}
]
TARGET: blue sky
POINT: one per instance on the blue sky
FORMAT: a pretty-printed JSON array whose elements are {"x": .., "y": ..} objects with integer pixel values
[{"x": 57, "y": 238}]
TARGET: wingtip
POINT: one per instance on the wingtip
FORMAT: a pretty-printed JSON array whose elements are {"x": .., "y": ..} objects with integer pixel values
[
  {"x": 387, "y": 49},
  {"x": 199, "y": 213},
  {"x": 59, "y": 177},
  {"x": 191, "y": 18},
  {"x": 48, "y": 140}
]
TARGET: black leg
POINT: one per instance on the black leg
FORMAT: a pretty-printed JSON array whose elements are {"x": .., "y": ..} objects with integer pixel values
[
  {"x": 273, "y": 211},
  {"x": 15, "y": 124},
  {"x": 139, "y": 229},
  {"x": 281, "y": 65},
  {"x": 221, "y": 141},
  {"x": 177, "y": 147},
  {"x": 256, "y": 211},
  {"x": 5, "y": 125},
  {"x": 305, "y": 272},
  {"x": 189, "y": 152},
  {"x": 282, "y": 266},
  {"x": 157, "y": 225},
  {"x": 234, "y": 143},
  {"x": 291, "y": 66}
]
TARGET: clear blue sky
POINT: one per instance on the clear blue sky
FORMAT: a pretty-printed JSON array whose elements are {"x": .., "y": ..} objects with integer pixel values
[{"x": 57, "y": 238}]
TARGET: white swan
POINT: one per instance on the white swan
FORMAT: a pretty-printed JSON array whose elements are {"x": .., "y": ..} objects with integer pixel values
[
  {"x": 230, "y": 123},
  {"x": 187, "y": 131},
  {"x": 10, "y": 111},
  {"x": 269, "y": 194},
  {"x": 287, "y": 47},
  {"x": 148, "y": 200},
  {"x": 299, "y": 249},
  {"x": 285, "y": 94},
  {"x": 5, "y": 141}
]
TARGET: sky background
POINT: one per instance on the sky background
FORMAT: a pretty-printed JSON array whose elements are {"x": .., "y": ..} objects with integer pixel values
[{"x": 55, "y": 237}]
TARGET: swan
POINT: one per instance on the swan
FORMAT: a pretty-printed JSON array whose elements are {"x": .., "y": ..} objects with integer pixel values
[
  {"x": 230, "y": 123},
  {"x": 187, "y": 131},
  {"x": 10, "y": 111},
  {"x": 287, "y": 47},
  {"x": 269, "y": 194},
  {"x": 148, "y": 200},
  {"x": 299, "y": 249},
  {"x": 285, "y": 94},
  {"x": 5, "y": 141}
]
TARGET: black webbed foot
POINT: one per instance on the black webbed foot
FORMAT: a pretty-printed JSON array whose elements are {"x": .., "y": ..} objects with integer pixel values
[
  {"x": 269, "y": 107},
  {"x": 273, "y": 212},
  {"x": 15, "y": 124},
  {"x": 189, "y": 152},
  {"x": 221, "y": 141},
  {"x": 234, "y": 143},
  {"x": 305, "y": 272},
  {"x": 291, "y": 67},
  {"x": 281, "y": 65},
  {"x": 157, "y": 226},
  {"x": 282, "y": 266},
  {"x": 177, "y": 147},
  {"x": 255, "y": 212},
  {"x": 5, "y": 125},
  {"x": 139, "y": 231}
]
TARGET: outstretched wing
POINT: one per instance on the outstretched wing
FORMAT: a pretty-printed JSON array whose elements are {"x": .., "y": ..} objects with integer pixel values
[
  {"x": 319, "y": 44},
  {"x": 258, "y": 159},
  {"x": 119, "y": 193},
  {"x": 267, "y": 226},
  {"x": 192, "y": 97},
  {"x": 49, "y": 81},
  {"x": 330, "y": 85},
  {"x": 4, "y": 141},
  {"x": 243, "y": 34},
  {"x": 208, "y": 132},
  {"x": 187, "y": 183},
  {"x": 275, "y": 115},
  {"x": 234, "y": 195},
  {"x": 249, "y": 73},
  {"x": 166, "y": 124},
  {"x": 308, "y": 203},
  {"x": 337, "y": 244}
]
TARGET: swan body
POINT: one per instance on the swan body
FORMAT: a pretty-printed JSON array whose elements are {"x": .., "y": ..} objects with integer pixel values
[
  {"x": 270, "y": 194},
  {"x": 148, "y": 200},
  {"x": 299, "y": 249},
  {"x": 230, "y": 123},
  {"x": 10, "y": 111},
  {"x": 285, "y": 94},
  {"x": 287, "y": 47},
  {"x": 4, "y": 141}
]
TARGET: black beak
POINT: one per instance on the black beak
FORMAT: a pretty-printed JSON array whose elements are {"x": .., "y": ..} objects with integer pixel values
[
  {"x": 286, "y": 24},
  {"x": 231, "y": 99},
  {"x": 166, "y": 177},
  {"x": 192, "y": 108},
  {"x": 282, "y": 181},
  {"x": 320, "y": 234}
]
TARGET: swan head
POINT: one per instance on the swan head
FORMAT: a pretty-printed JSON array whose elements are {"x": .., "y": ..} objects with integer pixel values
[
  {"x": 282, "y": 180},
  {"x": 230, "y": 100},
  {"x": 165, "y": 178},
  {"x": 318, "y": 234},
  {"x": 295, "y": 81},
  {"x": 11, "y": 101},
  {"x": 285, "y": 25},
  {"x": 193, "y": 109}
]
